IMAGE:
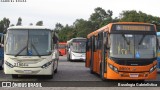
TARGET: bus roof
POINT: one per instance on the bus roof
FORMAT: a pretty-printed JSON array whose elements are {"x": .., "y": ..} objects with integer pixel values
[
  {"x": 108, "y": 27},
  {"x": 29, "y": 27},
  {"x": 75, "y": 38}
]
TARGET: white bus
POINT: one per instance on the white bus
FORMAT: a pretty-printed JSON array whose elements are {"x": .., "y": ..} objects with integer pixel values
[
  {"x": 76, "y": 49},
  {"x": 31, "y": 50}
]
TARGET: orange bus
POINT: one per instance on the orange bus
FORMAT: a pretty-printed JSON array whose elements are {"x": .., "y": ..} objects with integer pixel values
[
  {"x": 123, "y": 51},
  {"x": 62, "y": 48}
]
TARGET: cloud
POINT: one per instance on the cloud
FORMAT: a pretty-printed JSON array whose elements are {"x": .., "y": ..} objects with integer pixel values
[{"x": 67, "y": 11}]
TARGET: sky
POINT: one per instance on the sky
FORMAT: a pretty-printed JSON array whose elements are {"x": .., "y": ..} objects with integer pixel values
[{"x": 67, "y": 11}]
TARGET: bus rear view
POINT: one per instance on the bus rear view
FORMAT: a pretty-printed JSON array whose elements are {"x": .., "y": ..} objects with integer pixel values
[
  {"x": 62, "y": 48},
  {"x": 30, "y": 51}
]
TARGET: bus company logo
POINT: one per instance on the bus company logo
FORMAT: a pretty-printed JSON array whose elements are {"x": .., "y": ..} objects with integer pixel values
[{"x": 6, "y": 84}]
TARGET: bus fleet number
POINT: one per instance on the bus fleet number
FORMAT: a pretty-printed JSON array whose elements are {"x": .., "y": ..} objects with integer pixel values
[{"x": 20, "y": 64}]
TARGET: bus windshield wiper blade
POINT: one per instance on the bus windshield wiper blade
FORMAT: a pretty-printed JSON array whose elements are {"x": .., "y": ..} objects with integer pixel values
[
  {"x": 20, "y": 51},
  {"x": 125, "y": 39},
  {"x": 141, "y": 40},
  {"x": 35, "y": 50}
]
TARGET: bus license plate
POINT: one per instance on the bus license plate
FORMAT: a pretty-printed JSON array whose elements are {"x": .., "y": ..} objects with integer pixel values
[{"x": 134, "y": 75}]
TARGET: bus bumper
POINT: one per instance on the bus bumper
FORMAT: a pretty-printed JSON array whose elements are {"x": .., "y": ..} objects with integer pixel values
[
  {"x": 29, "y": 71},
  {"x": 131, "y": 76}
]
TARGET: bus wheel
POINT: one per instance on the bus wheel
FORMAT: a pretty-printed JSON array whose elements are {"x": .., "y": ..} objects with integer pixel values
[
  {"x": 1, "y": 68},
  {"x": 14, "y": 76},
  {"x": 50, "y": 76},
  {"x": 55, "y": 71},
  {"x": 68, "y": 58}
]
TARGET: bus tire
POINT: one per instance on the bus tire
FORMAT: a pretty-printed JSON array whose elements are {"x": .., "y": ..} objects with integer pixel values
[
  {"x": 55, "y": 71},
  {"x": 1, "y": 68},
  {"x": 50, "y": 76},
  {"x": 68, "y": 58},
  {"x": 14, "y": 76}
]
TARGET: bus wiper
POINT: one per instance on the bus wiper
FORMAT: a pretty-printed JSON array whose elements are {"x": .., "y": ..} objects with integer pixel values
[
  {"x": 141, "y": 40},
  {"x": 35, "y": 50},
  {"x": 125, "y": 39},
  {"x": 21, "y": 51}
]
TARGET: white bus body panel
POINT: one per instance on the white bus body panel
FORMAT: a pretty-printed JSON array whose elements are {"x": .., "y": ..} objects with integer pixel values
[
  {"x": 34, "y": 63},
  {"x": 77, "y": 56}
]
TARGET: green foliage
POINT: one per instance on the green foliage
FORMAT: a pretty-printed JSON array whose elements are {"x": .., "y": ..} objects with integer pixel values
[
  {"x": 4, "y": 24},
  {"x": 19, "y": 22},
  {"x": 100, "y": 18},
  {"x": 39, "y": 23},
  {"x": 66, "y": 33},
  {"x": 81, "y": 27},
  {"x": 134, "y": 16}
]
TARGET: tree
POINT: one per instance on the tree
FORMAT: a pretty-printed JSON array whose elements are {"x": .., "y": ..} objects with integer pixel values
[
  {"x": 11, "y": 25},
  {"x": 58, "y": 27},
  {"x": 134, "y": 16},
  {"x": 82, "y": 27},
  {"x": 66, "y": 33},
  {"x": 4, "y": 24},
  {"x": 100, "y": 17},
  {"x": 19, "y": 22},
  {"x": 39, "y": 23},
  {"x": 31, "y": 24}
]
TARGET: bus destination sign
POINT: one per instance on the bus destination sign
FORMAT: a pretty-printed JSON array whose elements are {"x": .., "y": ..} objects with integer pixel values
[{"x": 134, "y": 27}]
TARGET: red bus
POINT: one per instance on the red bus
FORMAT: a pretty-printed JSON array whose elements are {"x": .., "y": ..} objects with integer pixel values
[
  {"x": 62, "y": 48},
  {"x": 123, "y": 51}
]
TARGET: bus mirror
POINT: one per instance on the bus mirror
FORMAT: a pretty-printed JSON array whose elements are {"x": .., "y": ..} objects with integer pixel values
[{"x": 49, "y": 52}]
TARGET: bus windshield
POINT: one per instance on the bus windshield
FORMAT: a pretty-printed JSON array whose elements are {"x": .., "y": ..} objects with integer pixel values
[
  {"x": 133, "y": 46},
  {"x": 78, "y": 47},
  {"x": 28, "y": 42}
]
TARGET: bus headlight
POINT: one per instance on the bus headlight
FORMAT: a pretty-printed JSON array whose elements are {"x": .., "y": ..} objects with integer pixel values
[
  {"x": 152, "y": 68},
  {"x": 47, "y": 64},
  {"x": 9, "y": 64},
  {"x": 113, "y": 68}
]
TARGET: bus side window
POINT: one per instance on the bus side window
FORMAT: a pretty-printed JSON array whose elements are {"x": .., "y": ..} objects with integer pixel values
[
  {"x": 95, "y": 43},
  {"x": 99, "y": 40}
]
